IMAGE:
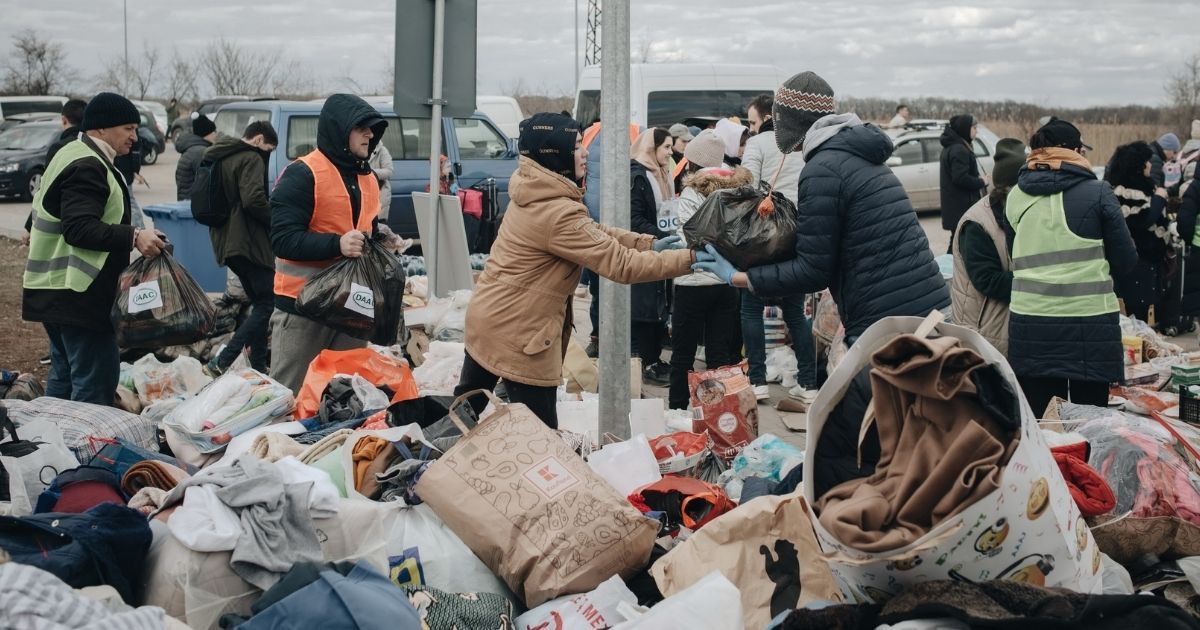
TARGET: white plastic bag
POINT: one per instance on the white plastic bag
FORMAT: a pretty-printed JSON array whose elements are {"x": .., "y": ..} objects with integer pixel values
[
  {"x": 596, "y": 609},
  {"x": 231, "y": 405},
  {"x": 713, "y": 603},
  {"x": 768, "y": 457},
  {"x": 439, "y": 374},
  {"x": 453, "y": 320},
  {"x": 155, "y": 380},
  {"x": 31, "y": 474},
  {"x": 782, "y": 366},
  {"x": 626, "y": 466},
  {"x": 370, "y": 396}
]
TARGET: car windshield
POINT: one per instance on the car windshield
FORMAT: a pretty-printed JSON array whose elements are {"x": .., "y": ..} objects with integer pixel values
[{"x": 22, "y": 137}]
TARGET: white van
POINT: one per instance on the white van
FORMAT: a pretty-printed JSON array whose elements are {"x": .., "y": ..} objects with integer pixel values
[
  {"x": 662, "y": 94},
  {"x": 10, "y": 105},
  {"x": 504, "y": 111}
]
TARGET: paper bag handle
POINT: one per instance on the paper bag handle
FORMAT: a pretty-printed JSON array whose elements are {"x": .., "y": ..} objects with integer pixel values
[
  {"x": 934, "y": 318},
  {"x": 453, "y": 415}
]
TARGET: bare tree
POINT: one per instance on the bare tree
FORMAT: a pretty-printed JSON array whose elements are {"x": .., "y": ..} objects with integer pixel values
[
  {"x": 1183, "y": 93},
  {"x": 231, "y": 69},
  {"x": 181, "y": 78},
  {"x": 36, "y": 66},
  {"x": 292, "y": 80},
  {"x": 136, "y": 78}
]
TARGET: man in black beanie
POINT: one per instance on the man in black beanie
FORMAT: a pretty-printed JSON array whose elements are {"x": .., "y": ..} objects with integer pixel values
[
  {"x": 856, "y": 231},
  {"x": 191, "y": 147},
  {"x": 79, "y": 243}
]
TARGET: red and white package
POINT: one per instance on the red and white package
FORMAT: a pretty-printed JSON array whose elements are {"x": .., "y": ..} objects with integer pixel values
[{"x": 723, "y": 403}]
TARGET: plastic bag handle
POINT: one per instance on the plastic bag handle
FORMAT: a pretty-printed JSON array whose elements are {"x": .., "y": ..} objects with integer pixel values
[
  {"x": 767, "y": 205},
  {"x": 462, "y": 399}
]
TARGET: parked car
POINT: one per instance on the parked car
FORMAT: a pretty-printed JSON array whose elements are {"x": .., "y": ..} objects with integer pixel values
[
  {"x": 151, "y": 141},
  {"x": 662, "y": 94},
  {"x": 208, "y": 108},
  {"x": 477, "y": 149},
  {"x": 23, "y": 157},
  {"x": 20, "y": 119},
  {"x": 917, "y": 159},
  {"x": 10, "y": 105},
  {"x": 159, "y": 112}
]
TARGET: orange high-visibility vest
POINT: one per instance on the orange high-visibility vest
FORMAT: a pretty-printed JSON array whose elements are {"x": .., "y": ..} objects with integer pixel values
[
  {"x": 332, "y": 214},
  {"x": 679, "y": 169},
  {"x": 590, "y": 134}
]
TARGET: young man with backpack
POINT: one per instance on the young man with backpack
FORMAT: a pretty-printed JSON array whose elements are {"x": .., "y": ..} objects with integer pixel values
[{"x": 230, "y": 196}]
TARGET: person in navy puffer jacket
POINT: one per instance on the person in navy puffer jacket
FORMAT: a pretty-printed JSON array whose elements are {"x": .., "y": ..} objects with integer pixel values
[{"x": 856, "y": 231}]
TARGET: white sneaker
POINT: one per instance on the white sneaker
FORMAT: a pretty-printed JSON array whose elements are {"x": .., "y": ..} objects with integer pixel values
[
  {"x": 762, "y": 392},
  {"x": 806, "y": 396}
]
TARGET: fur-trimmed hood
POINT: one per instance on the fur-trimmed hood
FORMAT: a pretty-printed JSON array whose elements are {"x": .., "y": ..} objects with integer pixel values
[{"x": 709, "y": 180}]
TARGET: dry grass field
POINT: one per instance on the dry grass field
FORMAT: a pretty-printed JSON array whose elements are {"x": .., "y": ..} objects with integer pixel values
[{"x": 1103, "y": 138}]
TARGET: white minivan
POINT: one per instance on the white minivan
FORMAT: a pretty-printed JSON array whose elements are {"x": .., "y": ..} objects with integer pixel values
[
  {"x": 662, "y": 94},
  {"x": 10, "y": 105},
  {"x": 504, "y": 111}
]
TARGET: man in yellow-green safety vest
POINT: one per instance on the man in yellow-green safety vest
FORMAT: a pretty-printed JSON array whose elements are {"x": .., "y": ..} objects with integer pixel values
[
  {"x": 79, "y": 243},
  {"x": 1070, "y": 239}
]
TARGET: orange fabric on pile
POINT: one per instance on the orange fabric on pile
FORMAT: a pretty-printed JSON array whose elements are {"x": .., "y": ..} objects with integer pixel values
[{"x": 370, "y": 456}]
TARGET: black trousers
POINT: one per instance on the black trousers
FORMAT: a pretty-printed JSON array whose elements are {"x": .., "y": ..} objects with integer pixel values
[
  {"x": 646, "y": 338},
  {"x": 708, "y": 313},
  {"x": 1039, "y": 391},
  {"x": 540, "y": 400}
]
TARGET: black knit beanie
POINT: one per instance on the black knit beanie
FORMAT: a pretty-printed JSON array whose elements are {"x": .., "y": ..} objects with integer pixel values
[
  {"x": 202, "y": 126},
  {"x": 109, "y": 110},
  {"x": 801, "y": 101},
  {"x": 549, "y": 140}
]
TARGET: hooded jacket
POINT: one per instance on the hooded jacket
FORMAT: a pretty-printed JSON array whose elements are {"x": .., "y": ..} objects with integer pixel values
[
  {"x": 856, "y": 232},
  {"x": 69, "y": 134},
  {"x": 697, "y": 187},
  {"x": 763, "y": 159},
  {"x": 1077, "y": 348},
  {"x": 292, "y": 200},
  {"x": 192, "y": 148},
  {"x": 960, "y": 183},
  {"x": 519, "y": 319},
  {"x": 247, "y": 233}
]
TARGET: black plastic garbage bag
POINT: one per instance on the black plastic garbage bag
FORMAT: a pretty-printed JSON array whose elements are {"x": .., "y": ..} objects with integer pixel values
[
  {"x": 389, "y": 311},
  {"x": 731, "y": 221},
  {"x": 346, "y": 296},
  {"x": 159, "y": 304}
]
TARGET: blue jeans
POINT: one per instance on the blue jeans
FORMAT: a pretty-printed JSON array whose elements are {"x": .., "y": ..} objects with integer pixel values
[
  {"x": 755, "y": 337},
  {"x": 84, "y": 364}
]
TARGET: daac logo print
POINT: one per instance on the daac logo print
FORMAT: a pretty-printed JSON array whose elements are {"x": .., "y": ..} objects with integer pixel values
[
  {"x": 144, "y": 296},
  {"x": 361, "y": 300}
]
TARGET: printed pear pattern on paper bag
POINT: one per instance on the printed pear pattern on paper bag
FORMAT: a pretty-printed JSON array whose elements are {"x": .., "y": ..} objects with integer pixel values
[{"x": 549, "y": 498}]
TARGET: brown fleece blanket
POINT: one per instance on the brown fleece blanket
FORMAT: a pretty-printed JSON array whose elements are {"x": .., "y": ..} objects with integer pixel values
[
  {"x": 941, "y": 450},
  {"x": 151, "y": 473}
]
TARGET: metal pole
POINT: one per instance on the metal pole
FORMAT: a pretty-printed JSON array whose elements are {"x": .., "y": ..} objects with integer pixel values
[
  {"x": 614, "y": 211},
  {"x": 125, "y": 19},
  {"x": 435, "y": 142},
  {"x": 577, "y": 45}
]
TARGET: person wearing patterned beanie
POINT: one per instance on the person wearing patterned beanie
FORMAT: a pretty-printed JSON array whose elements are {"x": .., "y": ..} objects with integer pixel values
[
  {"x": 519, "y": 319},
  {"x": 856, "y": 231}
]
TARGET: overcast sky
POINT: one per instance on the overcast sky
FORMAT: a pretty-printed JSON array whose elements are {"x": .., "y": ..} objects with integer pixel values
[{"x": 1051, "y": 52}]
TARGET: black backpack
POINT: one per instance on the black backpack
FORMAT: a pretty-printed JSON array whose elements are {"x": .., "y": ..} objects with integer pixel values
[{"x": 210, "y": 206}]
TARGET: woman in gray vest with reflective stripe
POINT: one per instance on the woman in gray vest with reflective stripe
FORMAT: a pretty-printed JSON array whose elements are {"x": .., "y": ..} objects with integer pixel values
[{"x": 1069, "y": 239}]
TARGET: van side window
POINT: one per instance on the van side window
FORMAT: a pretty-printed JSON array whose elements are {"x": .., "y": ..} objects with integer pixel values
[
  {"x": 478, "y": 141},
  {"x": 405, "y": 139},
  {"x": 232, "y": 122}
]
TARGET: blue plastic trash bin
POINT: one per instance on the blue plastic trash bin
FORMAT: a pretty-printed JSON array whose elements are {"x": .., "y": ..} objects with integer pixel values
[{"x": 193, "y": 249}]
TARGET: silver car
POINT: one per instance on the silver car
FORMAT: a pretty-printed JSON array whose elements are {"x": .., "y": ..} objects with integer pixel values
[{"x": 917, "y": 159}]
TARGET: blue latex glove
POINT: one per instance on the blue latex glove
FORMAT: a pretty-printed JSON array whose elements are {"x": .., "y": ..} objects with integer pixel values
[
  {"x": 712, "y": 262},
  {"x": 670, "y": 242}
]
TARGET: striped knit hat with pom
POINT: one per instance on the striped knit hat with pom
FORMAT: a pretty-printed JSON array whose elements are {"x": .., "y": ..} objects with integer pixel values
[{"x": 800, "y": 102}]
